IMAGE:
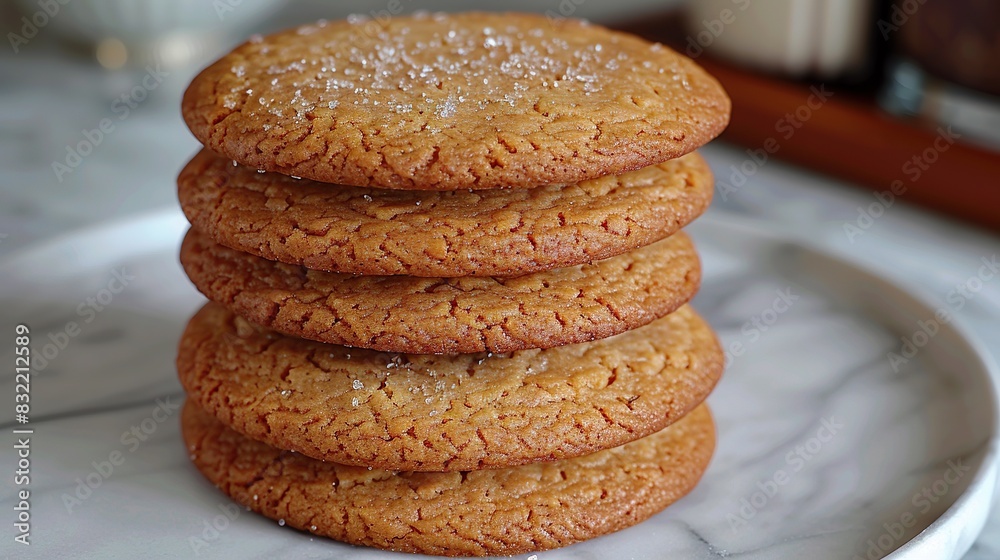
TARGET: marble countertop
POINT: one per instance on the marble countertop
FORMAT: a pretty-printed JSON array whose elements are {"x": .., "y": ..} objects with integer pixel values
[{"x": 53, "y": 99}]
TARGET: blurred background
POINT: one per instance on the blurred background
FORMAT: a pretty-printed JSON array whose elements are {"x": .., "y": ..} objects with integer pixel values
[
  {"x": 868, "y": 127},
  {"x": 899, "y": 98}
]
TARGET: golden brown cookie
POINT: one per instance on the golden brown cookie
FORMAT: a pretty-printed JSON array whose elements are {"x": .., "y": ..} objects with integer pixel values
[
  {"x": 504, "y": 512},
  {"x": 446, "y": 413},
  {"x": 450, "y": 234},
  {"x": 449, "y": 315},
  {"x": 445, "y": 102}
]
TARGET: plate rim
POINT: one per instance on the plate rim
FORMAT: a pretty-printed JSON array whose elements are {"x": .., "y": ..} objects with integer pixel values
[{"x": 984, "y": 479}]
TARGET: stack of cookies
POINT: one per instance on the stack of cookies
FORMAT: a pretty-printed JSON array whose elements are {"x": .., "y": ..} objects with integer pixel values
[{"x": 448, "y": 280}]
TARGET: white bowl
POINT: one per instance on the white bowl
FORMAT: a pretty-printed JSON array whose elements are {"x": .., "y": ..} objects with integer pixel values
[{"x": 165, "y": 30}]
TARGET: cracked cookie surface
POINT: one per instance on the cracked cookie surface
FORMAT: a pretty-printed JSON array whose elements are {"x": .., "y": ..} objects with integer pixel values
[
  {"x": 446, "y": 413},
  {"x": 440, "y": 234},
  {"x": 449, "y": 315},
  {"x": 504, "y": 512},
  {"x": 445, "y": 102}
]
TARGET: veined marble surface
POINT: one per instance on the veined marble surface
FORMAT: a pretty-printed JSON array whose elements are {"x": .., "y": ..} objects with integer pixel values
[{"x": 51, "y": 101}]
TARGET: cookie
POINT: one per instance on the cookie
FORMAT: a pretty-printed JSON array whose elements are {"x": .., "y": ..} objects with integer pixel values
[
  {"x": 446, "y": 102},
  {"x": 503, "y": 512},
  {"x": 453, "y": 234},
  {"x": 449, "y": 315},
  {"x": 446, "y": 413}
]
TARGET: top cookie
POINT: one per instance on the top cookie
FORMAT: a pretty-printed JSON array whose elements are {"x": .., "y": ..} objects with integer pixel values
[{"x": 447, "y": 102}]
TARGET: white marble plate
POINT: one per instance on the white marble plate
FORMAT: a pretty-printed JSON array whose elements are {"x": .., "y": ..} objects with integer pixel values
[{"x": 826, "y": 450}]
